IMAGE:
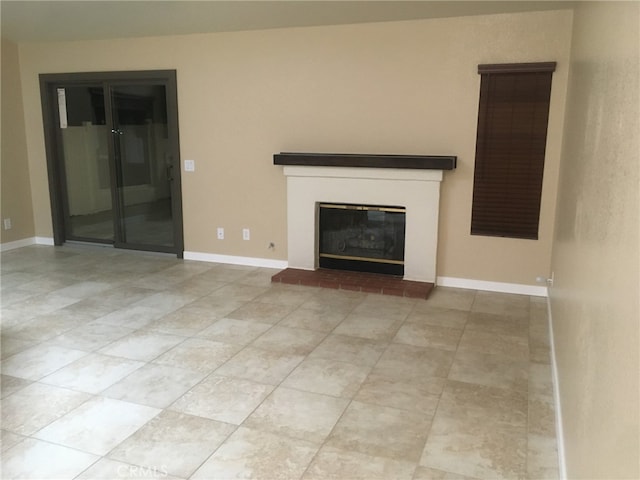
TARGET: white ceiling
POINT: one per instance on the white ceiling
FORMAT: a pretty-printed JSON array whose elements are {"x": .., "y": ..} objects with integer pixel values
[{"x": 33, "y": 21}]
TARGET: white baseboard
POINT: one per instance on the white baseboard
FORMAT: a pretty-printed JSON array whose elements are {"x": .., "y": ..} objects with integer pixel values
[
  {"x": 533, "y": 290},
  {"x": 562, "y": 464},
  {"x": 235, "y": 260},
  {"x": 44, "y": 241},
  {"x": 25, "y": 242}
]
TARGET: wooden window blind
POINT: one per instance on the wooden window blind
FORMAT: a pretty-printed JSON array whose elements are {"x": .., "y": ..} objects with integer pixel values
[{"x": 510, "y": 148}]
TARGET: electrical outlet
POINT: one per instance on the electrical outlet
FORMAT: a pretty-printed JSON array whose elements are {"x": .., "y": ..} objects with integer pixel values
[
  {"x": 220, "y": 233},
  {"x": 189, "y": 165},
  {"x": 246, "y": 234},
  {"x": 7, "y": 224}
]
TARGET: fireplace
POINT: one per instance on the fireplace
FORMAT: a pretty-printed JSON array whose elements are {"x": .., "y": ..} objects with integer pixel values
[
  {"x": 411, "y": 182},
  {"x": 362, "y": 238}
]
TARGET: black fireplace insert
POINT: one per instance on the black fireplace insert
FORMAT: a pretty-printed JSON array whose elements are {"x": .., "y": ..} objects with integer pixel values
[{"x": 363, "y": 238}]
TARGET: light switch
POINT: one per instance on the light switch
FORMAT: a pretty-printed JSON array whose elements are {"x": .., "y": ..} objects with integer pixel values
[{"x": 189, "y": 165}]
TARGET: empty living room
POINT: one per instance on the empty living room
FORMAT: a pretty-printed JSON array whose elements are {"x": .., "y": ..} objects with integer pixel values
[{"x": 393, "y": 240}]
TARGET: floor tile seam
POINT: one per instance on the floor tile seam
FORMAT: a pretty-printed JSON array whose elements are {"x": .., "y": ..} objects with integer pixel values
[
  {"x": 359, "y": 400},
  {"x": 506, "y": 319},
  {"x": 215, "y": 339},
  {"x": 50, "y": 373},
  {"x": 323, "y": 444},
  {"x": 438, "y": 412},
  {"x": 286, "y": 352},
  {"x": 500, "y": 357},
  {"x": 96, "y": 322},
  {"x": 488, "y": 387},
  {"x": 280, "y": 385},
  {"x": 350, "y": 311},
  {"x": 106, "y": 455},
  {"x": 540, "y": 339},
  {"x": 10, "y": 304},
  {"x": 504, "y": 315},
  {"x": 523, "y": 391},
  {"x": 40, "y": 382},
  {"x": 277, "y": 324},
  {"x": 232, "y": 431},
  {"x": 212, "y": 373},
  {"x": 273, "y": 302},
  {"x": 34, "y": 315},
  {"x": 472, "y": 326},
  {"x": 289, "y": 314},
  {"x": 100, "y": 393},
  {"x": 2, "y": 399},
  {"x": 298, "y": 389},
  {"x": 55, "y": 419},
  {"x": 35, "y": 344},
  {"x": 343, "y": 362},
  {"x": 99, "y": 457},
  {"x": 270, "y": 394},
  {"x": 372, "y": 372},
  {"x": 326, "y": 446},
  {"x": 288, "y": 436},
  {"x": 33, "y": 436},
  {"x": 495, "y": 334},
  {"x": 453, "y": 359},
  {"x": 167, "y": 332},
  {"x": 512, "y": 358},
  {"x": 454, "y": 350},
  {"x": 223, "y": 442},
  {"x": 143, "y": 467},
  {"x": 248, "y": 345},
  {"x": 99, "y": 352},
  {"x": 226, "y": 376},
  {"x": 473, "y": 301},
  {"x": 433, "y": 418},
  {"x": 481, "y": 414},
  {"x": 44, "y": 339},
  {"x": 149, "y": 364},
  {"x": 380, "y": 455},
  {"x": 22, "y": 439},
  {"x": 385, "y": 343}
]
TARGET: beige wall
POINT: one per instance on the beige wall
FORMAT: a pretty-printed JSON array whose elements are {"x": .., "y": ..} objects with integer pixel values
[
  {"x": 398, "y": 87},
  {"x": 595, "y": 254},
  {"x": 14, "y": 170}
]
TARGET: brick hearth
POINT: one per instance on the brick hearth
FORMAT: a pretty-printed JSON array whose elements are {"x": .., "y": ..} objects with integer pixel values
[{"x": 354, "y": 281}]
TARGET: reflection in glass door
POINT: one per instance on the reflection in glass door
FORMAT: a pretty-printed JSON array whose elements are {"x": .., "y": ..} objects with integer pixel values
[
  {"x": 143, "y": 164},
  {"x": 113, "y": 161},
  {"x": 85, "y": 150}
]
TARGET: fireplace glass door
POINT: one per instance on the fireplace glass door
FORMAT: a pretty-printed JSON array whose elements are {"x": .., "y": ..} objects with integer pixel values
[{"x": 364, "y": 238}]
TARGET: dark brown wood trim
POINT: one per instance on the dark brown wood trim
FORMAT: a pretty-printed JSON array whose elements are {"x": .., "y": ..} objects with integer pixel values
[
  {"x": 417, "y": 162},
  {"x": 48, "y": 82},
  {"x": 517, "y": 67},
  {"x": 53, "y": 172},
  {"x": 122, "y": 76}
]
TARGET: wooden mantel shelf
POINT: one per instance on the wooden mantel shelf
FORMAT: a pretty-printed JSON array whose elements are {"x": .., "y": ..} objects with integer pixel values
[{"x": 417, "y": 162}]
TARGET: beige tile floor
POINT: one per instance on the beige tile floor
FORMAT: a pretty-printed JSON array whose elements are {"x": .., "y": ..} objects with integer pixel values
[{"x": 126, "y": 365}]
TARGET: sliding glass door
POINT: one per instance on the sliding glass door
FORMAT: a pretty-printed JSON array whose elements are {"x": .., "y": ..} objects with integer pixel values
[{"x": 112, "y": 145}]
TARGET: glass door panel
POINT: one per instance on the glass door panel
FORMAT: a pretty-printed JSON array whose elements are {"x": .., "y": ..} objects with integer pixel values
[
  {"x": 89, "y": 213},
  {"x": 112, "y": 156},
  {"x": 143, "y": 164}
]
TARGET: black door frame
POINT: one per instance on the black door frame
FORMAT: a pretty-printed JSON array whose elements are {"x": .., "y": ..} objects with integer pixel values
[{"x": 57, "y": 179}]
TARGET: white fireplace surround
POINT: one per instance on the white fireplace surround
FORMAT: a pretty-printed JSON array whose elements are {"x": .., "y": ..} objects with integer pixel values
[{"x": 418, "y": 190}]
